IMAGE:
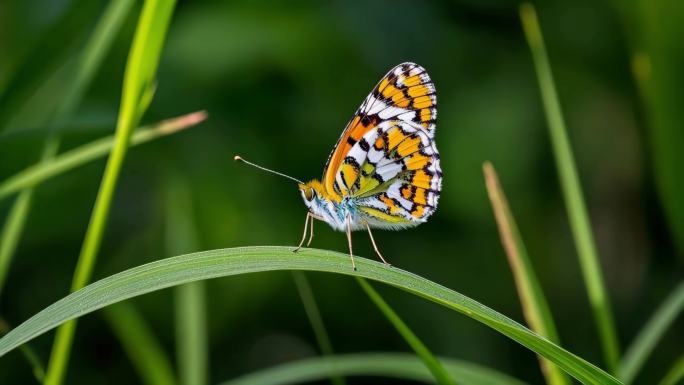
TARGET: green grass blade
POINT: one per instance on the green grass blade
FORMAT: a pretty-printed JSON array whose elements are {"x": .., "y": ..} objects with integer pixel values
[
  {"x": 189, "y": 299},
  {"x": 40, "y": 172},
  {"x": 315, "y": 319},
  {"x": 532, "y": 298},
  {"x": 89, "y": 61},
  {"x": 675, "y": 374},
  {"x": 652, "y": 332},
  {"x": 11, "y": 232},
  {"x": 572, "y": 192},
  {"x": 140, "y": 69},
  {"x": 401, "y": 366},
  {"x": 226, "y": 262},
  {"x": 431, "y": 362},
  {"x": 191, "y": 333},
  {"x": 140, "y": 344}
]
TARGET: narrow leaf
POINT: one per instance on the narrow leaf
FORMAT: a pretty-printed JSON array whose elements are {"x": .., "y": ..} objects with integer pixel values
[
  {"x": 140, "y": 344},
  {"x": 572, "y": 191},
  {"x": 225, "y": 262},
  {"x": 190, "y": 299},
  {"x": 140, "y": 69},
  {"x": 67, "y": 161},
  {"x": 532, "y": 299},
  {"x": 650, "y": 334},
  {"x": 432, "y": 363},
  {"x": 315, "y": 319}
]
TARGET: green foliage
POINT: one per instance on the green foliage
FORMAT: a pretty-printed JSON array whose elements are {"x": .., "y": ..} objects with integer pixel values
[
  {"x": 140, "y": 70},
  {"x": 280, "y": 80},
  {"x": 572, "y": 191},
  {"x": 532, "y": 298},
  {"x": 432, "y": 363},
  {"x": 645, "y": 342},
  {"x": 81, "y": 155},
  {"x": 309, "y": 302},
  {"x": 190, "y": 299},
  {"x": 140, "y": 344}
]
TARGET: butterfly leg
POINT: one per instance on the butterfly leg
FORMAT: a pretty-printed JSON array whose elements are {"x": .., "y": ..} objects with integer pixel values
[
  {"x": 349, "y": 241},
  {"x": 311, "y": 233},
  {"x": 306, "y": 226},
  {"x": 375, "y": 246}
]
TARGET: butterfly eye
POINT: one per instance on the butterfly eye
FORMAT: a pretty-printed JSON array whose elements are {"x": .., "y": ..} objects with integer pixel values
[{"x": 308, "y": 194}]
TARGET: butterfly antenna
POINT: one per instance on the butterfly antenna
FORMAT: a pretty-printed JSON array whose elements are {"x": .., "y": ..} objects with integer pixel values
[{"x": 239, "y": 158}]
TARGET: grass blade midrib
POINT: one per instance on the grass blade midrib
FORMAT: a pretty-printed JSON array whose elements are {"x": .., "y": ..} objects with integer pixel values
[{"x": 226, "y": 262}]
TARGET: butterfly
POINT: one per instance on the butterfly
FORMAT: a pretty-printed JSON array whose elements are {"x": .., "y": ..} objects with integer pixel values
[{"x": 384, "y": 171}]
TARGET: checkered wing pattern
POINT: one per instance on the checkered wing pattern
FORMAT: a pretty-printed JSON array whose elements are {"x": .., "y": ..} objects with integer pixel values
[{"x": 386, "y": 158}]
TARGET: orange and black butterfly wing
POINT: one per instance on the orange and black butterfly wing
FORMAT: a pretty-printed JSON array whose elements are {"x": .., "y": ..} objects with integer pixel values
[{"x": 406, "y": 95}]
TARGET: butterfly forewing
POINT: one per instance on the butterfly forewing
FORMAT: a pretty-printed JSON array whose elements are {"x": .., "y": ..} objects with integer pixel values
[{"x": 386, "y": 158}]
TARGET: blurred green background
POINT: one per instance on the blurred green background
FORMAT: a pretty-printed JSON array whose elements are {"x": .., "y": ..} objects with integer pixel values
[{"x": 279, "y": 81}]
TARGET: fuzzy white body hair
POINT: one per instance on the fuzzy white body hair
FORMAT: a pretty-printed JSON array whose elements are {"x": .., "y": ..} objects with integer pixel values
[{"x": 337, "y": 214}]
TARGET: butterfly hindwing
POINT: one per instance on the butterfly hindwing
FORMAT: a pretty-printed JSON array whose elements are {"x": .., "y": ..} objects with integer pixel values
[
  {"x": 406, "y": 94},
  {"x": 394, "y": 175}
]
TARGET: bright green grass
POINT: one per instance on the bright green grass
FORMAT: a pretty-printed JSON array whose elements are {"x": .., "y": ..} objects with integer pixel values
[
  {"x": 217, "y": 263},
  {"x": 138, "y": 89}
]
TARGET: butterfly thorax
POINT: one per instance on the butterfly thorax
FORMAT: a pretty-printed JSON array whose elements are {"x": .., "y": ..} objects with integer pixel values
[{"x": 330, "y": 208}]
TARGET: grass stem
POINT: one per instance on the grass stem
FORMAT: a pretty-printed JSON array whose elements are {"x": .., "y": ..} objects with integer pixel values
[
  {"x": 645, "y": 342},
  {"x": 572, "y": 192},
  {"x": 316, "y": 321},
  {"x": 431, "y": 362},
  {"x": 140, "y": 70},
  {"x": 181, "y": 236},
  {"x": 532, "y": 298}
]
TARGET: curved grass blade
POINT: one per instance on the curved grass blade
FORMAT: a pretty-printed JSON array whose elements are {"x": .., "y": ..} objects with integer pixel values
[
  {"x": 67, "y": 161},
  {"x": 402, "y": 366},
  {"x": 140, "y": 344},
  {"x": 650, "y": 334},
  {"x": 138, "y": 78},
  {"x": 226, "y": 262},
  {"x": 572, "y": 191},
  {"x": 438, "y": 371},
  {"x": 11, "y": 233},
  {"x": 532, "y": 298},
  {"x": 315, "y": 319}
]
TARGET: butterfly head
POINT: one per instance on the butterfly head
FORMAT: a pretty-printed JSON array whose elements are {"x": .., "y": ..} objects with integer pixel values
[
  {"x": 320, "y": 203},
  {"x": 311, "y": 192}
]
